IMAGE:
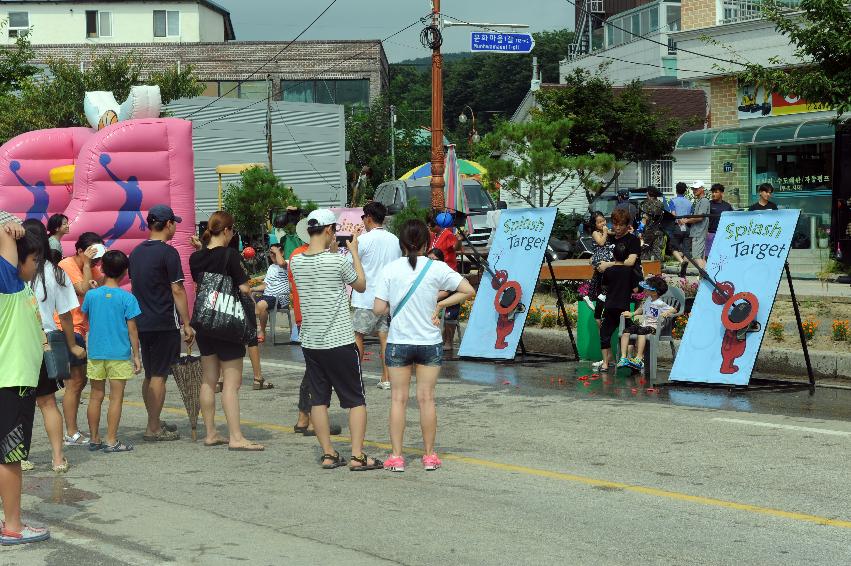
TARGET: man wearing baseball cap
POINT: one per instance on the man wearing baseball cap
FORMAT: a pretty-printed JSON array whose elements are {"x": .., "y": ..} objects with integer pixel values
[
  {"x": 331, "y": 357},
  {"x": 157, "y": 281},
  {"x": 698, "y": 226}
]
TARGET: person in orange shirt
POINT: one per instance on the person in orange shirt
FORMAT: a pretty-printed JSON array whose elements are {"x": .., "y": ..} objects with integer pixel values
[
  {"x": 83, "y": 271},
  {"x": 303, "y": 424}
]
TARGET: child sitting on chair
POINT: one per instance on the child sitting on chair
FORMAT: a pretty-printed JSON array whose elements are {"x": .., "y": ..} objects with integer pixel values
[{"x": 653, "y": 308}]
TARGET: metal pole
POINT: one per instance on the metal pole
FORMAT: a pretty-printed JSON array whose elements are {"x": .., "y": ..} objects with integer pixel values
[
  {"x": 437, "y": 183},
  {"x": 269, "y": 119},
  {"x": 800, "y": 327},
  {"x": 393, "y": 140}
]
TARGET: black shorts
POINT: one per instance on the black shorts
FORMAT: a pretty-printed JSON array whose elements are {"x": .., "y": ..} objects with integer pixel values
[
  {"x": 75, "y": 361},
  {"x": 160, "y": 351},
  {"x": 17, "y": 411},
  {"x": 337, "y": 368},
  {"x": 608, "y": 326},
  {"x": 45, "y": 386},
  {"x": 226, "y": 351},
  {"x": 639, "y": 330}
]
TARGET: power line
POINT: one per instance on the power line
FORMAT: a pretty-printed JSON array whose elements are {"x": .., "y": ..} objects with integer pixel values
[{"x": 261, "y": 67}]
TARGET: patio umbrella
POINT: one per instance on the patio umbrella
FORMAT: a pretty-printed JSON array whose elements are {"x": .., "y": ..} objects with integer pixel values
[
  {"x": 454, "y": 189},
  {"x": 466, "y": 167},
  {"x": 187, "y": 375}
]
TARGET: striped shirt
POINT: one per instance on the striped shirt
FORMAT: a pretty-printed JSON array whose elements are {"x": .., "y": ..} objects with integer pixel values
[
  {"x": 277, "y": 284},
  {"x": 321, "y": 279}
]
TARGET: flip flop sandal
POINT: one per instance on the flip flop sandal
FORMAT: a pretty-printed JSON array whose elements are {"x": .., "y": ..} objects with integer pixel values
[
  {"x": 168, "y": 426},
  {"x": 261, "y": 384},
  {"x": 364, "y": 465},
  {"x": 117, "y": 447},
  {"x": 337, "y": 460},
  {"x": 250, "y": 448},
  {"x": 62, "y": 468},
  {"x": 219, "y": 442},
  {"x": 334, "y": 431},
  {"x": 162, "y": 436},
  {"x": 300, "y": 429},
  {"x": 95, "y": 446}
]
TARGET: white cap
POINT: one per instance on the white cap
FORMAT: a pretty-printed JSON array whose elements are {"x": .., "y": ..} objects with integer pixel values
[
  {"x": 321, "y": 217},
  {"x": 697, "y": 185},
  {"x": 301, "y": 231}
]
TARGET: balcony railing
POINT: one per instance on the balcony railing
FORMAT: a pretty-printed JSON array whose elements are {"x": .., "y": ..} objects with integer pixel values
[{"x": 745, "y": 10}]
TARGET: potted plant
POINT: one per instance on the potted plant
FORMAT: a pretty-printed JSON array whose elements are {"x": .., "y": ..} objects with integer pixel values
[{"x": 823, "y": 236}]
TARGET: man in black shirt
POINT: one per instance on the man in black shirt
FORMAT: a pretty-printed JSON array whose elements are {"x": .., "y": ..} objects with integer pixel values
[
  {"x": 764, "y": 202},
  {"x": 157, "y": 280},
  {"x": 717, "y": 205}
]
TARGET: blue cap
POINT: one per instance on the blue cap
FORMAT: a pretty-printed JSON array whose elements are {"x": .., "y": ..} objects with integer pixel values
[
  {"x": 646, "y": 285},
  {"x": 162, "y": 213}
]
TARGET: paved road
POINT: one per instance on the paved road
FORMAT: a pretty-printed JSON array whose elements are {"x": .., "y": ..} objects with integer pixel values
[{"x": 538, "y": 469}]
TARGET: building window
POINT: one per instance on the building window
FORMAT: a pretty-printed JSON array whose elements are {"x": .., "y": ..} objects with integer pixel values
[
  {"x": 19, "y": 24},
  {"x": 233, "y": 89},
  {"x": 166, "y": 23},
  {"x": 98, "y": 24},
  {"x": 349, "y": 92}
]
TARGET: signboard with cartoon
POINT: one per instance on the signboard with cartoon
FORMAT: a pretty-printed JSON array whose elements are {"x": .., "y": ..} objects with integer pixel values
[
  {"x": 506, "y": 290},
  {"x": 754, "y": 102},
  {"x": 735, "y": 297}
]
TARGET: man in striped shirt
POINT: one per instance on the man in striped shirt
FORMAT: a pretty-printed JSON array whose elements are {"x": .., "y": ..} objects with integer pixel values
[{"x": 328, "y": 338}]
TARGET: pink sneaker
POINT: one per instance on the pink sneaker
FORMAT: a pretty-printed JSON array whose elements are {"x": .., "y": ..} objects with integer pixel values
[
  {"x": 431, "y": 462},
  {"x": 394, "y": 464}
]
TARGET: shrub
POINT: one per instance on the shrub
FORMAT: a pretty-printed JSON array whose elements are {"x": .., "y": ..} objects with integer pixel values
[
  {"x": 412, "y": 210},
  {"x": 775, "y": 330},
  {"x": 548, "y": 319},
  {"x": 466, "y": 307},
  {"x": 840, "y": 330},
  {"x": 534, "y": 315},
  {"x": 679, "y": 327},
  {"x": 251, "y": 198},
  {"x": 810, "y": 325}
]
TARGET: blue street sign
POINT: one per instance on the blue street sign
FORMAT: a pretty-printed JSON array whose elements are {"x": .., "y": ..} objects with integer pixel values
[{"x": 501, "y": 42}]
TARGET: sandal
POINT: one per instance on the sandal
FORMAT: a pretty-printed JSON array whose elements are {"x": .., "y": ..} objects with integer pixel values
[
  {"x": 250, "y": 447},
  {"x": 117, "y": 447},
  {"x": 363, "y": 460},
  {"x": 261, "y": 384},
  {"x": 336, "y": 461},
  {"x": 63, "y": 467},
  {"x": 300, "y": 429},
  {"x": 217, "y": 442},
  {"x": 334, "y": 430}
]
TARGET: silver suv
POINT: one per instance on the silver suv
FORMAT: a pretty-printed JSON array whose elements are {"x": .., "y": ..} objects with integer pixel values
[{"x": 396, "y": 194}]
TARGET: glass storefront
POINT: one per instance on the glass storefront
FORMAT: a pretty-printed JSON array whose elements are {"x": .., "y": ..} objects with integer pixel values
[{"x": 801, "y": 177}]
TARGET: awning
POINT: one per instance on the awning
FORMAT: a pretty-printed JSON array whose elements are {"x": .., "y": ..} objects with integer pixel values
[{"x": 800, "y": 132}]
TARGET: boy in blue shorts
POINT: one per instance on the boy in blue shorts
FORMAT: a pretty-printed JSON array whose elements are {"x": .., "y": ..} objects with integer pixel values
[
  {"x": 22, "y": 346},
  {"x": 113, "y": 343}
]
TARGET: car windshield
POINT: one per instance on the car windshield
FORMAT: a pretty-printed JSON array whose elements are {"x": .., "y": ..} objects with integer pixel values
[{"x": 477, "y": 199}]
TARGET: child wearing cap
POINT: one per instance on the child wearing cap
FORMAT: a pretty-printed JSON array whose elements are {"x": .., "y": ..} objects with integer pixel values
[
  {"x": 653, "y": 309},
  {"x": 113, "y": 343}
]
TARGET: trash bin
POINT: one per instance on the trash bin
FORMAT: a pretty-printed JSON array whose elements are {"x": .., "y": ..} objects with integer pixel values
[{"x": 588, "y": 335}]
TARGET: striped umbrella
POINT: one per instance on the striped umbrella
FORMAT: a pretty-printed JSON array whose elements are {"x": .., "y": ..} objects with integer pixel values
[
  {"x": 468, "y": 169},
  {"x": 454, "y": 190}
]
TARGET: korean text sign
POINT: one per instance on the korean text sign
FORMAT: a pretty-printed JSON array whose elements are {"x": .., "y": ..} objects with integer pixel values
[
  {"x": 728, "y": 319},
  {"x": 503, "y": 299}
]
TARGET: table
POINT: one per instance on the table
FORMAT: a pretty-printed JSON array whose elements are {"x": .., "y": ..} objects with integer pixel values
[{"x": 576, "y": 269}]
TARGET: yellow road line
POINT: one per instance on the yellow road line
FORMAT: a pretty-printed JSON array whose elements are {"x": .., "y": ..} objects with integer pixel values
[{"x": 585, "y": 480}]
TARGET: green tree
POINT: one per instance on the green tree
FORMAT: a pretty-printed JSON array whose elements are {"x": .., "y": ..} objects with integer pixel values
[
  {"x": 533, "y": 166},
  {"x": 620, "y": 122},
  {"x": 15, "y": 65},
  {"x": 251, "y": 198},
  {"x": 819, "y": 32}
]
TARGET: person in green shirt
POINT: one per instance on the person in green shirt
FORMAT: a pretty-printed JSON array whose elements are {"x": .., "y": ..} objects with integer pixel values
[{"x": 22, "y": 345}]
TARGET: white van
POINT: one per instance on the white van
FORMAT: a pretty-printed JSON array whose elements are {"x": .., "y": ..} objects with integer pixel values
[{"x": 396, "y": 194}]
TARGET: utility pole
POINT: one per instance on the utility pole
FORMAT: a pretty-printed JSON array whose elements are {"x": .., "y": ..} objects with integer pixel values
[
  {"x": 437, "y": 182},
  {"x": 436, "y": 39},
  {"x": 393, "y": 140},
  {"x": 269, "y": 119}
]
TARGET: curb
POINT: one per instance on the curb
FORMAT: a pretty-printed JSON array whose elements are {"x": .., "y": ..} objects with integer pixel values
[{"x": 832, "y": 365}]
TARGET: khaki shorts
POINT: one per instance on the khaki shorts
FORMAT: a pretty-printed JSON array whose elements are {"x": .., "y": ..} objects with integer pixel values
[
  {"x": 100, "y": 370},
  {"x": 367, "y": 322}
]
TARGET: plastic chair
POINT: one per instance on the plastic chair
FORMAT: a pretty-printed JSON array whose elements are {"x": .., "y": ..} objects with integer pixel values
[
  {"x": 677, "y": 299},
  {"x": 273, "y": 326}
]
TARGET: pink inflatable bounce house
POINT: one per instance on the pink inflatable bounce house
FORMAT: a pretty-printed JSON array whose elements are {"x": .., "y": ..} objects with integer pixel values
[{"x": 105, "y": 180}]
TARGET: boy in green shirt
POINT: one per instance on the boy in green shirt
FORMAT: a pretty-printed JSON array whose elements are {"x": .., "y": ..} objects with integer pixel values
[{"x": 22, "y": 345}]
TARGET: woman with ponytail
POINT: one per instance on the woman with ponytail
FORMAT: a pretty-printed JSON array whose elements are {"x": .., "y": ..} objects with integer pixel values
[
  {"x": 414, "y": 289},
  {"x": 218, "y": 355}
]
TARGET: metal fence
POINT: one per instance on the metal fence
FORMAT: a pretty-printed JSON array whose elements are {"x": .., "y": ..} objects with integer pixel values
[{"x": 659, "y": 173}]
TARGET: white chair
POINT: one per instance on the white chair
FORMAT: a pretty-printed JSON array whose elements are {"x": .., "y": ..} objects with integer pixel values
[{"x": 677, "y": 299}]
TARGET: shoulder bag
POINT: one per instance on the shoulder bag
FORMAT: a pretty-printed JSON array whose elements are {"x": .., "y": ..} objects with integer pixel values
[{"x": 220, "y": 310}]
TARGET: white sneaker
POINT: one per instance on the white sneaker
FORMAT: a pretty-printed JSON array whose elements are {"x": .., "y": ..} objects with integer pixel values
[
  {"x": 383, "y": 385},
  {"x": 26, "y": 465},
  {"x": 597, "y": 365},
  {"x": 76, "y": 440}
]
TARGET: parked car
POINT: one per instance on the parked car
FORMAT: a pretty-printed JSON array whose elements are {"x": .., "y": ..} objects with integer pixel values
[{"x": 396, "y": 194}]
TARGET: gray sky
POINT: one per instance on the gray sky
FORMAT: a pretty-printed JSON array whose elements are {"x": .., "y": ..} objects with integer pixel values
[{"x": 282, "y": 20}]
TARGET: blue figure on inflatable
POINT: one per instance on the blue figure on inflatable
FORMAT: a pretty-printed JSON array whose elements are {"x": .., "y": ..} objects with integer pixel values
[
  {"x": 132, "y": 207},
  {"x": 41, "y": 200}
]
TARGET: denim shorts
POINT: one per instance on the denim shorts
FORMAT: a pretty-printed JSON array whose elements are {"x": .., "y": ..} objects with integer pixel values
[{"x": 403, "y": 355}]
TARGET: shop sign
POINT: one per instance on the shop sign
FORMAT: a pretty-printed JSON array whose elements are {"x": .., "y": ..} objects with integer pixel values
[
  {"x": 728, "y": 167},
  {"x": 799, "y": 183},
  {"x": 753, "y": 102}
]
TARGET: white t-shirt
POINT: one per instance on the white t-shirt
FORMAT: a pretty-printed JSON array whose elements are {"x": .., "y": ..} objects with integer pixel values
[
  {"x": 414, "y": 325},
  {"x": 653, "y": 310},
  {"x": 377, "y": 248},
  {"x": 321, "y": 279},
  {"x": 60, "y": 299}
]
